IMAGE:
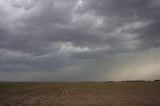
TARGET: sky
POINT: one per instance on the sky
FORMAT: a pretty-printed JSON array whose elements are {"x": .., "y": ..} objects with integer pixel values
[{"x": 79, "y": 40}]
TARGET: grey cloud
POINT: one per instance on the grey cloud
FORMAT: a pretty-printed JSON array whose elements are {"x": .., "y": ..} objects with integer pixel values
[
  {"x": 128, "y": 11},
  {"x": 67, "y": 39}
]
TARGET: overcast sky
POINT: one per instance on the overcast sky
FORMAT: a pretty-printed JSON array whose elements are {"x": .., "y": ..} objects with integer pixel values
[{"x": 79, "y": 40}]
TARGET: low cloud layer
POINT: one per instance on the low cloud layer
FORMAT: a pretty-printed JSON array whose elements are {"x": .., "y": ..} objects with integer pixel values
[{"x": 79, "y": 40}]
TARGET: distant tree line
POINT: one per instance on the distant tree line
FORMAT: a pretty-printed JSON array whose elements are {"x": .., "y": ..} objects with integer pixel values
[
  {"x": 135, "y": 81},
  {"x": 156, "y": 80}
]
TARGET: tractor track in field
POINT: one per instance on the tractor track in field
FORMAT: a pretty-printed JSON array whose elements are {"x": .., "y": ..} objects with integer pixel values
[
  {"x": 71, "y": 91},
  {"x": 62, "y": 92}
]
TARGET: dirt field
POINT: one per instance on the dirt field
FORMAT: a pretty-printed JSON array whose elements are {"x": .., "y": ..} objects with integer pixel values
[{"x": 80, "y": 94}]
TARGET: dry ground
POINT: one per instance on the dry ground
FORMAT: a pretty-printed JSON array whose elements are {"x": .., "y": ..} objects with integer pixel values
[{"x": 80, "y": 94}]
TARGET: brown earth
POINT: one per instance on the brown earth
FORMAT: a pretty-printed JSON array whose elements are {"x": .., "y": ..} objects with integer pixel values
[{"x": 80, "y": 94}]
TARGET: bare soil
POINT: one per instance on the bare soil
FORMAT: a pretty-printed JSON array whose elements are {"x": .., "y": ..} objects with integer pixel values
[{"x": 80, "y": 94}]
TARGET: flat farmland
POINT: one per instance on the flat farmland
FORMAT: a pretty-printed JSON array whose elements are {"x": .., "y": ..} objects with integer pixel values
[{"x": 80, "y": 94}]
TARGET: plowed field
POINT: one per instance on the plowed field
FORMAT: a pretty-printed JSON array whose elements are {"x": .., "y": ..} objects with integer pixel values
[{"x": 80, "y": 94}]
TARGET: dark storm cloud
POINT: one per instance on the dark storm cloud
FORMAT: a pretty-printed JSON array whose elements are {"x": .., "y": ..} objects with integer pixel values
[
  {"x": 130, "y": 11},
  {"x": 3, "y": 33},
  {"x": 66, "y": 38}
]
